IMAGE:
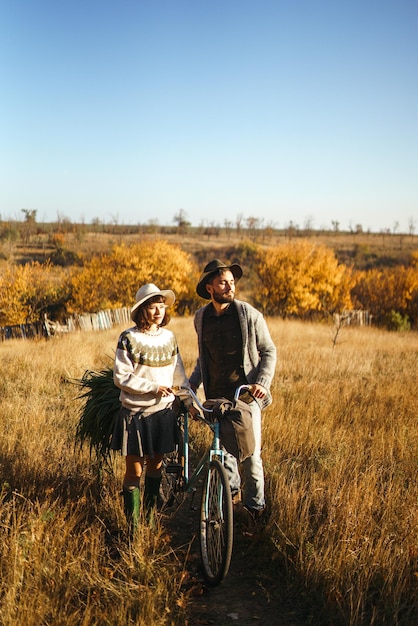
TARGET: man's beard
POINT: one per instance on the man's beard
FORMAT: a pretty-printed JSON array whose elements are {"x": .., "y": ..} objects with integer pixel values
[{"x": 224, "y": 298}]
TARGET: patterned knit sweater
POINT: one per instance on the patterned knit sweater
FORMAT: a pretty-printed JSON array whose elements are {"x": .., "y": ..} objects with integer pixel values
[{"x": 144, "y": 362}]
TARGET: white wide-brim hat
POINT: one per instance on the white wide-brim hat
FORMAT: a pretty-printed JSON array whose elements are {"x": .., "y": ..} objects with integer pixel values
[{"x": 149, "y": 291}]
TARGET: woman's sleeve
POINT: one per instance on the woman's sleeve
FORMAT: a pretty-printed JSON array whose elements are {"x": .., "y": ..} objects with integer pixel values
[{"x": 180, "y": 379}]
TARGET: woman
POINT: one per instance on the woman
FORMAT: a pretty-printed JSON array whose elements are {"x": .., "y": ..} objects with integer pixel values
[{"x": 147, "y": 367}]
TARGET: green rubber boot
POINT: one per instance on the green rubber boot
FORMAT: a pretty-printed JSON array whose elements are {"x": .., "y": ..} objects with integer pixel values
[
  {"x": 151, "y": 495},
  {"x": 131, "y": 505}
]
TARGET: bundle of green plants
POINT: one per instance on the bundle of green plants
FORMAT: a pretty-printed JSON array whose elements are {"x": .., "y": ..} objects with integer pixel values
[{"x": 98, "y": 411}]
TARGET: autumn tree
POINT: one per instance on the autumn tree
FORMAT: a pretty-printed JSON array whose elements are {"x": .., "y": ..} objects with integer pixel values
[
  {"x": 302, "y": 279},
  {"x": 112, "y": 280},
  {"x": 29, "y": 225},
  {"x": 182, "y": 222}
]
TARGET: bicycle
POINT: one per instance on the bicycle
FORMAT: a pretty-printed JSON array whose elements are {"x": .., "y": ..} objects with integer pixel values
[{"x": 216, "y": 510}]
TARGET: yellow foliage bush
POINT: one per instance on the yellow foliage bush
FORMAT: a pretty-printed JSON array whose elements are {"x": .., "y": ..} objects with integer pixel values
[
  {"x": 112, "y": 280},
  {"x": 389, "y": 289},
  {"x": 27, "y": 291},
  {"x": 302, "y": 279}
]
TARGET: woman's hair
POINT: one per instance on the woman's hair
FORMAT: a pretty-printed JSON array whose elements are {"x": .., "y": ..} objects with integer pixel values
[{"x": 140, "y": 316}]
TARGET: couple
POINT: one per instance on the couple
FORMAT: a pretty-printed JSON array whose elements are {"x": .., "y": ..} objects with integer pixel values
[{"x": 235, "y": 348}]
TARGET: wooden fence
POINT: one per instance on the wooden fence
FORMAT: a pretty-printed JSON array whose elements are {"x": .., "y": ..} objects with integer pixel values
[
  {"x": 88, "y": 321},
  {"x": 23, "y": 331},
  {"x": 353, "y": 317},
  {"x": 113, "y": 317}
]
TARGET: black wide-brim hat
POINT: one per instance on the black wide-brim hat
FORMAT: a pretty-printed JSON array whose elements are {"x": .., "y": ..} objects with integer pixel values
[{"x": 212, "y": 268}]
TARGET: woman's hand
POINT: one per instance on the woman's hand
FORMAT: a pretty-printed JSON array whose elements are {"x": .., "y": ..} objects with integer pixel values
[{"x": 164, "y": 391}]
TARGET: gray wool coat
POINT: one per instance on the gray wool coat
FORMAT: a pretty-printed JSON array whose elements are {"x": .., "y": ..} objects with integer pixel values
[{"x": 258, "y": 350}]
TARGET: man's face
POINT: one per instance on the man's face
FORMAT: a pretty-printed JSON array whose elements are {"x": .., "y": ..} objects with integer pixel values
[{"x": 222, "y": 287}]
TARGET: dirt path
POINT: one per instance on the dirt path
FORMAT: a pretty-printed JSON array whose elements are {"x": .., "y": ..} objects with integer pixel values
[{"x": 249, "y": 594}]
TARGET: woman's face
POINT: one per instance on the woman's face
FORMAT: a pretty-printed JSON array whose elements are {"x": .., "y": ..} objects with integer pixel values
[{"x": 155, "y": 312}]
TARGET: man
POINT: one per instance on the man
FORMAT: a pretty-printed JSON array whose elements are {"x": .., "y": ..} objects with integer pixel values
[{"x": 235, "y": 348}]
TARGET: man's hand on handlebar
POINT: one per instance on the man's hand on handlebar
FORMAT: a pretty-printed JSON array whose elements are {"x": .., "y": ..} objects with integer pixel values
[{"x": 257, "y": 391}]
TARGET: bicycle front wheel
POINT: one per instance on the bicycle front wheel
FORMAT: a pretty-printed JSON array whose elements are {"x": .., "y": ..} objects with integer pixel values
[{"x": 216, "y": 524}]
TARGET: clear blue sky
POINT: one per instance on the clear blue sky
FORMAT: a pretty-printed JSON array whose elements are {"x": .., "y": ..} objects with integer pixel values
[{"x": 284, "y": 110}]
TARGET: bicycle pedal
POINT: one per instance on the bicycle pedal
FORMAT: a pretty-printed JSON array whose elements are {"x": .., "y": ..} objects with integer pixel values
[
  {"x": 193, "y": 507},
  {"x": 173, "y": 468}
]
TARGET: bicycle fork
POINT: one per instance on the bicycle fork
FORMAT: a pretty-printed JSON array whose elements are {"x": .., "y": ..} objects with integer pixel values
[{"x": 215, "y": 452}]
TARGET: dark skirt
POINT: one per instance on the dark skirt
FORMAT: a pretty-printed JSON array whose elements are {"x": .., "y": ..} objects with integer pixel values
[{"x": 139, "y": 435}]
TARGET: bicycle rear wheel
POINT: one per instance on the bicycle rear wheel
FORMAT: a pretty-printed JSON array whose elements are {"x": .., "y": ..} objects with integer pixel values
[
  {"x": 171, "y": 488},
  {"x": 216, "y": 524}
]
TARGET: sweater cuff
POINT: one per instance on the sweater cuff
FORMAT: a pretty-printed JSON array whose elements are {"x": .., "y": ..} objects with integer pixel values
[{"x": 264, "y": 382}]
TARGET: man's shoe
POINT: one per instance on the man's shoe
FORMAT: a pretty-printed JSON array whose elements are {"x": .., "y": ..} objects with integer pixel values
[{"x": 255, "y": 514}]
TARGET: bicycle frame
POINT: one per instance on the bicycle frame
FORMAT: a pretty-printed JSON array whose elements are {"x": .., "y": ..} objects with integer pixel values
[{"x": 215, "y": 450}]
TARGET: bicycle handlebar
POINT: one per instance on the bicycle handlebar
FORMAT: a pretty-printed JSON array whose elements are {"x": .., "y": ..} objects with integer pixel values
[
  {"x": 195, "y": 399},
  {"x": 239, "y": 389}
]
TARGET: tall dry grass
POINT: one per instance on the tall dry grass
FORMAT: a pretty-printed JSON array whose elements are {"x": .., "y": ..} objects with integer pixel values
[
  {"x": 63, "y": 556},
  {"x": 340, "y": 452},
  {"x": 341, "y": 444}
]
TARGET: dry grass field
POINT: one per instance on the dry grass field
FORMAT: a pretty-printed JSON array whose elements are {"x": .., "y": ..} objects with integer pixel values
[
  {"x": 357, "y": 249},
  {"x": 341, "y": 461}
]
